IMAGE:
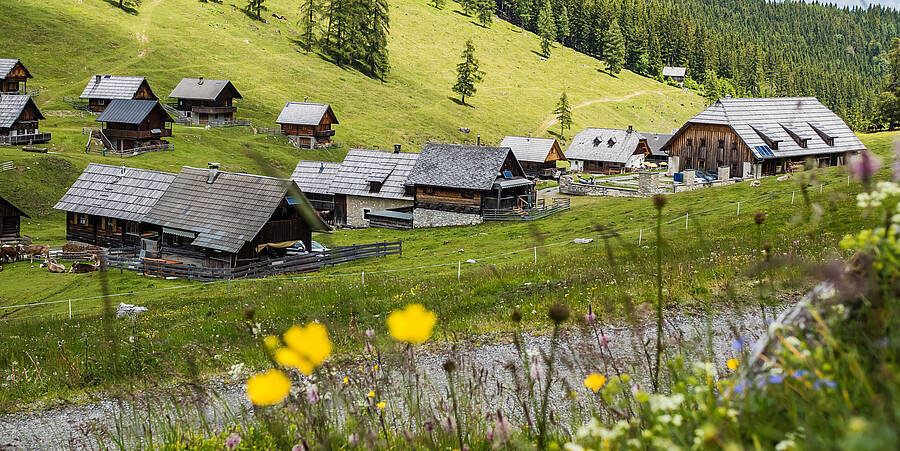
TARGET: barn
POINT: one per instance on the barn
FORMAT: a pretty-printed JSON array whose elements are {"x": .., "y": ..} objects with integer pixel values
[
  {"x": 370, "y": 189},
  {"x": 607, "y": 150},
  {"x": 106, "y": 204},
  {"x": 538, "y": 156},
  {"x": 219, "y": 219},
  {"x": 314, "y": 178},
  {"x": 102, "y": 89},
  {"x": 203, "y": 100},
  {"x": 13, "y": 76},
  {"x": 675, "y": 74},
  {"x": 756, "y": 137},
  {"x": 134, "y": 124},
  {"x": 19, "y": 118},
  {"x": 10, "y": 221},
  {"x": 309, "y": 124}
]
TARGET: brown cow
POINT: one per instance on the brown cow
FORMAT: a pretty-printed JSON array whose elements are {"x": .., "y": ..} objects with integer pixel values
[
  {"x": 54, "y": 267},
  {"x": 33, "y": 250},
  {"x": 9, "y": 253},
  {"x": 79, "y": 268}
]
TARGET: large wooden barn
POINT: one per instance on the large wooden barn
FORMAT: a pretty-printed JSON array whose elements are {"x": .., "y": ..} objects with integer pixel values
[
  {"x": 221, "y": 219},
  {"x": 13, "y": 76},
  {"x": 607, "y": 151},
  {"x": 370, "y": 189},
  {"x": 314, "y": 179},
  {"x": 132, "y": 124},
  {"x": 538, "y": 156},
  {"x": 10, "y": 221},
  {"x": 103, "y": 89},
  {"x": 762, "y": 136},
  {"x": 106, "y": 204},
  {"x": 203, "y": 100},
  {"x": 19, "y": 118},
  {"x": 309, "y": 124},
  {"x": 455, "y": 184}
]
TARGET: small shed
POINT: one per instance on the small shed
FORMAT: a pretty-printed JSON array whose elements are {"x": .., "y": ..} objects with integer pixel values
[
  {"x": 205, "y": 100},
  {"x": 102, "y": 89},
  {"x": 371, "y": 181},
  {"x": 314, "y": 178},
  {"x": 13, "y": 76},
  {"x": 19, "y": 118},
  {"x": 657, "y": 142},
  {"x": 607, "y": 150},
  {"x": 132, "y": 124},
  {"x": 10, "y": 221},
  {"x": 309, "y": 124},
  {"x": 538, "y": 156},
  {"x": 675, "y": 74}
]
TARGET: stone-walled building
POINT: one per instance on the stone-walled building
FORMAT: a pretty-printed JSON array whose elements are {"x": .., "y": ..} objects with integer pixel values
[{"x": 371, "y": 183}]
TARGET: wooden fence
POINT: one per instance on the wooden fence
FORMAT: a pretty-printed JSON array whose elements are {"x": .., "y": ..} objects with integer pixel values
[
  {"x": 130, "y": 260},
  {"x": 132, "y": 152},
  {"x": 232, "y": 123},
  {"x": 517, "y": 214},
  {"x": 18, "y": 140},
  {"x": 7, "y": 166}
]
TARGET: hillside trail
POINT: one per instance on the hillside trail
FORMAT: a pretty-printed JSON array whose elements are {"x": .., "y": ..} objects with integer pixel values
[{"x": 551, "y": 121}]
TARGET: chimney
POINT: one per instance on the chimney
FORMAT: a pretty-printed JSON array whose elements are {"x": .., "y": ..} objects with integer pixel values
[
  {"x": 123, "y": 168},
  {"x": 478, "y": 140},
  {"x": 396, "y": 148},
  {"x": 213, "y": 172},
  {"x": 97, "y": 79},
  {"x": 630, "y": 129},
  {"x": 200, "y": 81},
  {"x": 321, "y": 167}
]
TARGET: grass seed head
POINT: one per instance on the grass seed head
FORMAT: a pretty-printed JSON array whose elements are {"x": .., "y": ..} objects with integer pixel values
[{"x": 559, "y": 313}]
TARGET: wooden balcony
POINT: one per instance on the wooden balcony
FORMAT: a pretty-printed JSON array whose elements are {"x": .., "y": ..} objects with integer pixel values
[
  {"x": 18, "y": 140},
  {"x": 324, "y": 134},
  {"x": 136, "y": 134},
  {"x": 213, "y": 109}
]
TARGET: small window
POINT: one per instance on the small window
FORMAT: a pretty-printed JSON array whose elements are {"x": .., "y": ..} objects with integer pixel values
[
  {"x": 101, "y": 101},
  {"x": 701, "y": 164},
  {"x": 721, "y": 143},
  {"x": 702, "y": 142},
  {"x": 82, "y": 219},
  {"x": 366, "y": 212},
  {"x": 131, "y": 228},
  {"x": 734, "y": 146},
  {"x": 468, "y": 194},
  {"x": 109, "y": 224},
  {"x": 690, "y": 142},
  {"x": 428, "y": 190},
  {"x": 374, "y": 187}
]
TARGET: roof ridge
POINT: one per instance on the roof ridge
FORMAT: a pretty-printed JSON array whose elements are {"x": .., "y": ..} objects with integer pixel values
[
  {"x": 112, "y": 166},
  {"x": 241, "y": 174}
]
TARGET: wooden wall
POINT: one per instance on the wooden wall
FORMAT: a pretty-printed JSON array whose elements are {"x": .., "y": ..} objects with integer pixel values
[
  {"x": 98, "y": 230},
  {"x": 448, "y": 199},
  {"x": 707, "y": 147}
]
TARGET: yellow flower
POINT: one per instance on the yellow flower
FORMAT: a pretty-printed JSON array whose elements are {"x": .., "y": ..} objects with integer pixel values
[
  {"x": 381, "y": 405},
  {"x": 375, "y": 368},
  {"x": 265, "y": 389},
  {"x": 413, "y": 324},
  {"x": 371, "y": 394},
  {"x": 346, "y": 379},
  {"x": 287, "y": 357},
  {"x": 732, "y": 364},
  {"x": 594, "y": 381},
  {"x": 272, "y": 343},
  {"x": 310, "y": 345}
]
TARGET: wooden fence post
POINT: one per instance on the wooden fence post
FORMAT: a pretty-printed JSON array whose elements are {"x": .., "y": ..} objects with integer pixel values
[
  {"x": 792, "y": 197},
  {"x": 458, "y": 270},
  {"x": 739, "y": 209},
  {"x": 535, "y": 255},
  {"x": 640, "y": 236},
  {"x": 364, "y": 277},
  {"x": 686, "y": 221},
  {"x": 70, "y": 308}
]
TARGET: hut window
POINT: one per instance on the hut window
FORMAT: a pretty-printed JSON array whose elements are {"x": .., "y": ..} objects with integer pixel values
[
  {"x": 690, "y": 142},
  {"x": 109, "y": 224},
  {"x": 468, "y": 194},
  {"x": 365, "y": 212},
  {"x": 721, "y": 143},
  {"x": 428, "y": 190},
  {"x": 374, "y": 187},
  {"x": 131, "y": 228},
  {"x": 82, "y": 219},
  {"x": 734, "y": 146},
  {"x": 702, "y": 142}
]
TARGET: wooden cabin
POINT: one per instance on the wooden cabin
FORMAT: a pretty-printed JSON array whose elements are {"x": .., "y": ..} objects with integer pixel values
[
  {"x": 657, "y": 143},
  {"x": 204, "y": 100},
  {"x": 456, "y": 184},
  {"x": 309, "y": 124},
  {"x": 19, "y": 118},
  {"x": 675, "y": 74},
  {"x": 131, "y": 124},
  {"x": 538, "y": 156},
  {"x": 607, "y": 151},
  {"x": 219, "y": 219},
  {"x": 314, "y": 179},
  {"x": 13, "y": 76},
  {"x": 106, "y": 204},
  {"x": 103, "y": 89},
  {"x": 373, "y": 183},
  {"x": 10, "y": 221},
  {"x": 756, "y": 137}
]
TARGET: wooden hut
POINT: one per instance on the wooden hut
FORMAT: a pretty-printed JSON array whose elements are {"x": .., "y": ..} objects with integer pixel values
[
  {"x": 538, "y": 156},
  {"x": 308, "y": 124},
  {"x": 19, "y": 118},
  {"x": 106, "y": 204},
  {"x": 455, "y": 184},
  {"x": 657, "y": 143},
  {"x": 10, "y": 221},
  {"x": 13, "y": 76},
  {"x": 371, "y": 186},
  {"x": 755, "y": 137},
  {"x": 218, "y": 219},
  {"x": 132, "y": 124},
  {"x": 103, "y": 89},
  {"x": 607, "y": 150},
  {"x": 675, "y": 74},
  {"x": 314, "y": 179},
  {"x": 204, "y": 100}
]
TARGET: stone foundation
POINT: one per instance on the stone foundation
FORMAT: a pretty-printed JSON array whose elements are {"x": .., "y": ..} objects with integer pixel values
[{"x": 436, "y": 218}]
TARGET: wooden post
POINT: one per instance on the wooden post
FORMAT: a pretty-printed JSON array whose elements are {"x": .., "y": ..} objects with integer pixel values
[
  {"x": 739, "y": 209},
  {"x": 364, "y": 277},
  {"x": 535, "y": 255},
  {"x": 640, "y": 236},
  {"x": 792, "y": 197},
  {"x": 70, "y": 308},
  {"x": 820, "y": 188},
  {"x": 458, "y": 270},
  {"x": 686, "y": 221}
]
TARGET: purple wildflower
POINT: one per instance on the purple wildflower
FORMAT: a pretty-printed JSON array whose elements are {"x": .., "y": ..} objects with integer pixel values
[
  {"x": 799, "y": 374},
  {"x": 232, "y": 441},
  {"x": 740, "y": 387},
  {"x": 826, "y": 382},
  {"x": 775, "y": 379},
  {"x": 864, "y": 166},
  {"x": 604, "y": 339},
  {"x": 737, "y": 344},
  {"x": 590, "y": 317},
  {"x": 501, "y": 430},
  {"x": 312, "y": 394},
  {"x": 537, "y": 371}
]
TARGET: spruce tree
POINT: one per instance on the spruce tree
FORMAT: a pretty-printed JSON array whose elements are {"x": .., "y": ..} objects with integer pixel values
[
  {"x": 546, "y": 27},
  {"x": 309, "y": 11},
  {"x": 484, "y": 11},
  {"x": 563, "y": 114},
  {"x": 614, "y": 48},
  {"x": 376, "y": 38},
  {"x": 253, "y": 6},
  {"x": 562, "y": 25},
  {"x": 467, "y": 5},
  {"x": 467, "y": 73},
  {"x": 439, "y": 4},
  {"x": 523, "y": 10}
]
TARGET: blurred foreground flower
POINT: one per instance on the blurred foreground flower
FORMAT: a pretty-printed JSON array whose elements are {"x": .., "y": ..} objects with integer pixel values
[
  {"x": 864, "y": 166},
  {"x": 413, "y": 324},
  {"x": 307, "y": 347},
  {"x": 732, "y": 364},
  {"x": 265, "y": 389},
  {"x": 595, "y": 381}
]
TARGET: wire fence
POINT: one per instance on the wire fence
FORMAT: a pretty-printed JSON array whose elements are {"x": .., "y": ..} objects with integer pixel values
[{"x": 735, "y": 206}]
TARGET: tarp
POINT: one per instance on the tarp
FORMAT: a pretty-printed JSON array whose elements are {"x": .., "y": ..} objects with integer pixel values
[{"x": 280, "y": 245}]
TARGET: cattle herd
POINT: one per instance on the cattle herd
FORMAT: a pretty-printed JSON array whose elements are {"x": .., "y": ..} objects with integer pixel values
[{"x": 13, "y": 253}]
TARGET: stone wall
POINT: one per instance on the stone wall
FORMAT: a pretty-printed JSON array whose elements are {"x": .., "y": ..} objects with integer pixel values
[
  {"x": 423, "y": 217},
  {"x": 648, "y": 183},
  {"x": 356, "y": 204},
  {"x": 567, "y": 185}
]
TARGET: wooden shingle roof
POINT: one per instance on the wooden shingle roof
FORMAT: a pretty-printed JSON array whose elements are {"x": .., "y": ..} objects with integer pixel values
[
  {"x": 315, "y": 176},
  {"x": 11, "y": 107},
  {"x": 676, "y": 71},
  {"x": 459, "y": 166},
  {"x": 656, "y": 142},
  {"x": 7, "y": 64},
  {"x": 604, "y": 144},
  {"x": 535, "y": 150},
  {"x": 115, "y": 191},
  {"x": 305, "y": 113},
  {"x": 202, "y": 89},
  {"x": 362, "y": 166},
  {"x": 112, "y": 87}
]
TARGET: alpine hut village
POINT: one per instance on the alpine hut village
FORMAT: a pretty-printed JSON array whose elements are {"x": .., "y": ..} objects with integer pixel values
[{"x": 427, "y": 225}]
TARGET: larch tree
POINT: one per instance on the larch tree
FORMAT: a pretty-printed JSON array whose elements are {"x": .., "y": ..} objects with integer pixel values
[
  {"x": 439, "y": 4},
  {"x": 255, "y": 6},
  {"x": 614, "y": 48},
  {"x": 546, "y": 27},
  {"x": 563, "y": 30},
  {"x": 376, "y": 38},
  {"x": 467, "y": 73},
  {"x": 484, "y": 11},
  {"x": 563, "y": 113},
  {"x": 309, "y": 12},
  {"x": 522, "y": 9},
  {"x": 467, "y": 5}
]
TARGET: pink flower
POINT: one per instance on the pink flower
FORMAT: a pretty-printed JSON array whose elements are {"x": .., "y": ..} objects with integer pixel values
[
  {"x": 232, "y": 441},
  {"x": 370, "y": 333},
  {"x": 500, "y": 433},
  {"x": 864, "y": 166},
  {"x": 537, "y": 371},
  {"x": 604, "y": 339},
  {"x": 312, "y": 394},
  {"x": 590, "y": 317}
]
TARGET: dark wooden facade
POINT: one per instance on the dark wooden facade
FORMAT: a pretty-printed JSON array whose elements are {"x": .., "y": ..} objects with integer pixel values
[
  {"x": 322, "y": 132},
  {"x": 201, "y": 111},
  {"x": 143, "y": 93},
  {"x": 16, "y": 80},
  {"x": 26, "y": 123},
  {"x": 101, "y": 230},
  {"x": 150, "y": 131},
  {"x": 10, "y": 220},
  {"x": 709, "y": 147},
  {"x": 475, "y": 201}
]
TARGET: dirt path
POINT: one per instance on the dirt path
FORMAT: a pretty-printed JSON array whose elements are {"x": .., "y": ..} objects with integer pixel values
[{"x": 551, "y": 121}]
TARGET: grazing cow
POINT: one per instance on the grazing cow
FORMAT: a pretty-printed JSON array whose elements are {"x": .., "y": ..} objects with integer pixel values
[
  {"x": 9, "y": 254},
  {"x": 755, "y": 183},
  {"x": 54, "y": 267},
  {"x": 79, "y": 268},
  {"x": 784, "y": 177},
  {"x": 33, "y": 250}
]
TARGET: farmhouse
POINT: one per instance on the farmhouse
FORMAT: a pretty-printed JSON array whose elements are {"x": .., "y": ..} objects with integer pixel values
[
  {"x": 657, "y": 142},
  {"x": 314, "y": 179},
  {"x": 675, "y": 74},
  {"x": 308, "y": 124},
  {"x": 538, "y": 156},
  {"x": 102, "y": 89},
  {"x": 10, "y": 221},
  {"x": 19, "y": 118},
  {"x": 205, "y": 101},
  {"x": 13, "y": 76},
  {"x": 106, "y": 204},
  {"x": 133, "y": 124},
  {"x": 607, "y": 150},
  {"x": 369, "y": 189},
  {"x": 221, "y": 219},
  {"x": 762, "y": 136},
  {"x": 456, "y": 184}
]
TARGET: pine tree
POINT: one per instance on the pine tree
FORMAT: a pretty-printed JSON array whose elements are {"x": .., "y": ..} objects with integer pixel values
[
  {"x": 484, "y": 11},
  {"x": 253, "y": 6},
  {"x": 376, "y": 38},
  {"x": 523, "y": 10},
  {"x": 309, "y": 11},
  {"x": 124, "y": 5},
  {"x": 614, "y": 48},
  {"x": 562, "y": 25},
  {"x": 563, "y": 114},
  {"x": 546, "y": 27},
  {"x": 467, "y": 73},
  {"x": 467, "y": 5}
]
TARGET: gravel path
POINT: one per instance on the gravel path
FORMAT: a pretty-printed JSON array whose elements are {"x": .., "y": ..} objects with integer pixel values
[{"x": 79, "y": 426}]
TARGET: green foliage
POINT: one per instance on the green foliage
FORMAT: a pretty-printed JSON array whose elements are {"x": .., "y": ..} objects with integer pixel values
[
  {"x": 310, "y": 16},
  {"x": 563, "y": 113},
  {"x": 562, "y": 25},
  {"x": 887, "y": 104},
  {"x": 439, "y": 4},
  {"x": 467, "y": 73},
  {"x": 484, "y": 12},
  {"x": 256, "y": 6},
  {"x": 467, "y": 5},
  {"x": 614, "y": 48},
  {"x": 691, "y": 84},
  {"x": 546, "y": 27},
  {"x": 357, "y": 33}
]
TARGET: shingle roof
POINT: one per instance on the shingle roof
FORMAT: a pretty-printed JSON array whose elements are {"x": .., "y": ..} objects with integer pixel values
[
  {"x": 459, "y": 166},
  {"x": 315, "y": 176},
  {"x": 112, "y": 87},
  {"x": 362, "y": 166},
  {"x": 656, "y": 142},
  {"x": 104, "y": 190},
  {"x": 227, "y": 213},
  {"x": 603, "y": 144},
  {"x": 202, "y": 89},
  {"x": 756, "y": 120},
  {"x": 130, "y": 111},
  {"x": 669, "y": 71},
  {"x": 529, "y": 149},
  {"x": 304, "y": 113},
  {"x": 11, "y": 106},
  {"x": 7, "y": 64}
]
